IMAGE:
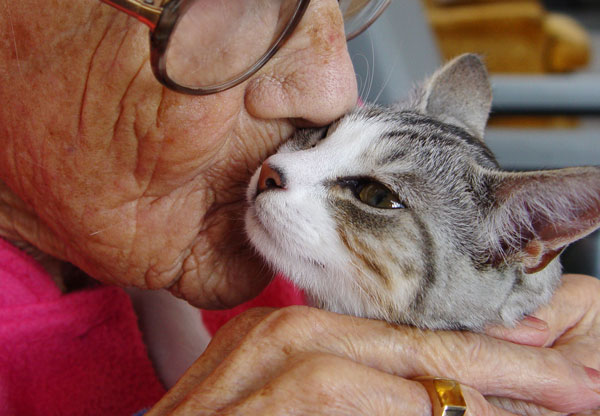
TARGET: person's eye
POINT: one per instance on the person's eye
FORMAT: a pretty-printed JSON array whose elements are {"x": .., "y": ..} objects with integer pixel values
[{"x": 378, "y": 195}]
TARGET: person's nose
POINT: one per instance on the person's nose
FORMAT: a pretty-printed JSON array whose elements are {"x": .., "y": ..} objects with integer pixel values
[{"x": 311, "y": 79}]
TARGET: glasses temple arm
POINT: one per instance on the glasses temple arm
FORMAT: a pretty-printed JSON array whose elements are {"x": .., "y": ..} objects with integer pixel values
[{"x": 144, "y": 12}]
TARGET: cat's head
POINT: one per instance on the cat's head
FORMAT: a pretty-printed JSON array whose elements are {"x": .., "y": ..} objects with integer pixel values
[{"x": 403, "y": 213}]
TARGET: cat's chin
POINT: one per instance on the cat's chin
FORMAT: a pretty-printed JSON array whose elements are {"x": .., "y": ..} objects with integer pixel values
[
  {"x": 327, "y": 285},
  {"x": 281, "y": 255}
]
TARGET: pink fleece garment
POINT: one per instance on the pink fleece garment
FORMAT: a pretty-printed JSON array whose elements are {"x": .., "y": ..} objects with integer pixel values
[{"x": 74, "y": 354}]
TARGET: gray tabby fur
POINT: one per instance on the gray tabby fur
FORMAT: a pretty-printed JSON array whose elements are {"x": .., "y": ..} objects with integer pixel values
[{"x": 473, "y": 245}]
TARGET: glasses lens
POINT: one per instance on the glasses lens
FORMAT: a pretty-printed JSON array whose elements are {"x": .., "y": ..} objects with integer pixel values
[
  {"x": 360, "y": 14},
  {"x": 216, "y": 41}
]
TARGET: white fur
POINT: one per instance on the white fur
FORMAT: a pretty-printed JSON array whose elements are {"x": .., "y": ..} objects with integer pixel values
[
  {"x": 454, "y": 258},
  {"x": 295, "y": 231}
]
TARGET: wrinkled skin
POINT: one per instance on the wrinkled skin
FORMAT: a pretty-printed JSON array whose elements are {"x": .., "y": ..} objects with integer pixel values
[
  {"x": 305, "y": 361},
  {"x": 136, "y": 184},
  {"x": 140, "y": 186}
]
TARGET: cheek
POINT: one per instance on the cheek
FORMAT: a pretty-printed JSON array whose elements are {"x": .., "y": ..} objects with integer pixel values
[
  {"x": 196, "y": 128},
  {"x": 386, "y": 254}
]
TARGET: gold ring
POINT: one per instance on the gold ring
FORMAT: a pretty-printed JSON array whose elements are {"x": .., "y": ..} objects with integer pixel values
[{"x": 445, "y": 394}]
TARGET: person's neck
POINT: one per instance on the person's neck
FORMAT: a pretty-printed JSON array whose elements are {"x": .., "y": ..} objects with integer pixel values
[
  {"x": 18, "y": 223},
  {"x": 10, "y": 207}
]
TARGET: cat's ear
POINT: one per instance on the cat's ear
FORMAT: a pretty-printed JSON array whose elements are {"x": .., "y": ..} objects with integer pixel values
[
  {"x": 459, "y": 93},
  {"x": 533, "y": 216}
]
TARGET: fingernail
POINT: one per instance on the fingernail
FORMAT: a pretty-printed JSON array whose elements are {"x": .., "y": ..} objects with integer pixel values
[
  {"x": 594, "y": 376},
  {"x": 535, "y": 323}
]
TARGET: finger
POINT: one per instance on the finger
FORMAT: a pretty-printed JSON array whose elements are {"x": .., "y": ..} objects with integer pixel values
[
  {"x": 574, "y": 320},
  {"x": 573, "y": 323},
  {"x": 495, "y": 367},
  {"x": 322, "y": 384},
  {"x": 529, "y": 331},
  {"x": 520, "y": 407},
  {"x": 312, "y": 384},
  {"x": 573, "y": 305},
  {"x": 538, "y": 375},
  {"x": 477, "y": 404},
  {"x": 228, "y": 338},
  {"x": 542, "y": 377},
  {"x": 595, "y": 412},
  {"x": 398, "y": 397},
  {"x": 581, "y": 349},
  {"x": 572, "y": 302}
]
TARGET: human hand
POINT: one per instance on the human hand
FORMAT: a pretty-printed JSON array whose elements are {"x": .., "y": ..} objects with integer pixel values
[
  {"x": 302, "y": 360},
  {"x": 569, "y": 325}
]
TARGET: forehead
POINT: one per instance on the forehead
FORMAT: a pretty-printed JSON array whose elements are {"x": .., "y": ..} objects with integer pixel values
[{"x": 387, "y": 136}]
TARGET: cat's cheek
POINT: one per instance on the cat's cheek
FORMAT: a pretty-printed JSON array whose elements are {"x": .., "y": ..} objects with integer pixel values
[{"x": 252, "y": 186}]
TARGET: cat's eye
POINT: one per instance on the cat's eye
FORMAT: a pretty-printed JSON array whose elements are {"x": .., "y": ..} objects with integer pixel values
[{"x": 377, "y": 195}]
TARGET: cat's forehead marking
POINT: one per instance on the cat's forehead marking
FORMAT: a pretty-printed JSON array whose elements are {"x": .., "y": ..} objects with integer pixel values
[
  {"x": 408, "y": 128},
  {"x": 365, "y": 255},
  {"x": 429, "y": 269},
  {"x": 443, "y": 130},
  {"x": 349, "y": 140}
]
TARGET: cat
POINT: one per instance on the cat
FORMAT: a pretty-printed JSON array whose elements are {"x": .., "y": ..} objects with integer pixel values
[{"x": 403, "y": 213}]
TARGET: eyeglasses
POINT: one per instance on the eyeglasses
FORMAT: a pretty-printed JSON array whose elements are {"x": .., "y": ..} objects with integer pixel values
[{"x": 206, "y": 46}]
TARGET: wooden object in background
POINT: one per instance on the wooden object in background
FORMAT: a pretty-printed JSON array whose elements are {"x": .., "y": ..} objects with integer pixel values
[{"x": 514, "y": 36}]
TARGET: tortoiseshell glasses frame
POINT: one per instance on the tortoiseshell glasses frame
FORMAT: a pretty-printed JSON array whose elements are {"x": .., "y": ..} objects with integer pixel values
[{"x": 163, "y": 17}]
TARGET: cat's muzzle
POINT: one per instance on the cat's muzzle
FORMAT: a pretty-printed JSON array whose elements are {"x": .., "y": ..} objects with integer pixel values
[{"x": 269, "y": 178}]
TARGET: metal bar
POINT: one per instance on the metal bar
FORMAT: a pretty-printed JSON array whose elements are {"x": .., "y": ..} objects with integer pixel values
[
  {"x": 547, "y": 94},
  {"x": 544, "y": 148}
]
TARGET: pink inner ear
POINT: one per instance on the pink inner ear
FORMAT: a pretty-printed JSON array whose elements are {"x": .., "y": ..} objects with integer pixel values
[
  {"x": 537, "y": 258},
  {"x": 547, "y": 211},
  {"x": 554, "y": 234},
  {"x": 557, "y": 240},
  {"x": 582, "y": 221}
]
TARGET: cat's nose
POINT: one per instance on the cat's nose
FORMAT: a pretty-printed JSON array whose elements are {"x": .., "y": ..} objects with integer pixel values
[{"x": 269, "y": 178}]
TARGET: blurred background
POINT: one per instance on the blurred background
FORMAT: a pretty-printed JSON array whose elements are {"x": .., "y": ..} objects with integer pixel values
[{"x": 544, "y": 61}]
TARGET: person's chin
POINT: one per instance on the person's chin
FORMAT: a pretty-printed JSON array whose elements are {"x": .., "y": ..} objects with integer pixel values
[{"x": 224, "y": 289}]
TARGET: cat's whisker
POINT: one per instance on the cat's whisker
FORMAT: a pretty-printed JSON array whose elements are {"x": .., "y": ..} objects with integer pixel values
[
  {"x": 411, "y": 218},
  {"x": 387, "y": 79},
  {"x": 363, "y": 82},
  {"x": 366, "y": 277},
  {"x": 371, "y": 74}
]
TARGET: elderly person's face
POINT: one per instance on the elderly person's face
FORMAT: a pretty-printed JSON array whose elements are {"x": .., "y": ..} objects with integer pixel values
[{"x": 136, "y": 184}]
